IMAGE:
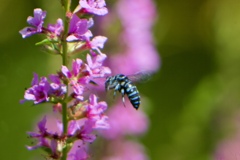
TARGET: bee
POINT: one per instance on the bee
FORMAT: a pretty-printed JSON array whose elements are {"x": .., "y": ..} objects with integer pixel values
[{"x": 124, "y": 85}]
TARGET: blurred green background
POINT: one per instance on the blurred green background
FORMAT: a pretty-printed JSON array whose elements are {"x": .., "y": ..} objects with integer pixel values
[{"x": 195, "y": 95}]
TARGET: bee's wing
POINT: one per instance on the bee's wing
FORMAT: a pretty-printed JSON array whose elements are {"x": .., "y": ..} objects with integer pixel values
[{"x": 141, "y": 77}]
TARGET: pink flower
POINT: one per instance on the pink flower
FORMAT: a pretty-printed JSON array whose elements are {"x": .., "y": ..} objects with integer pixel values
[
  {"x": 46, "y": 139},
  {"x": 78, "y": 152},
  {"x": 36, "y": 23},
  {"x": 95, "y": 113},
  {"x": 96, "y": 68},
  {"x": 94, "y": 45},
  {"x": 56, "y": 29},
  {"x": 82, "y": 129},
  {"x": 39, "y": 91},
  {"x": 42, "y": 90},
  {"x": 78, "y": 29},
  {"x": 82, "y": 73}
]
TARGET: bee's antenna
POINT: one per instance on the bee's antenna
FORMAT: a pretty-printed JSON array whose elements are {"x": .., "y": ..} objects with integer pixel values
[{"x": 92, "y": 82}]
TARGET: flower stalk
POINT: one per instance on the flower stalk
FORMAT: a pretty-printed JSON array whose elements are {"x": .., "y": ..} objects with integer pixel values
[{"x": 65, "y": 63}]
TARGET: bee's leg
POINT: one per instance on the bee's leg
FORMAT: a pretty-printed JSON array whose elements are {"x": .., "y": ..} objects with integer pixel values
[
  {"x": 122, "y": 92},
  {"x": 114, "y": 93},
  {"x": 115, "y": 90}
]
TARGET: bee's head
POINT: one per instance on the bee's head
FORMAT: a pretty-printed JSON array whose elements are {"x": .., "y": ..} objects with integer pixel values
[{"x": 110, "y": 83}]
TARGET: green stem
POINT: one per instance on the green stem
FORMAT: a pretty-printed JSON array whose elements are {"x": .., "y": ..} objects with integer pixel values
[{"x": 67, "y": 4}]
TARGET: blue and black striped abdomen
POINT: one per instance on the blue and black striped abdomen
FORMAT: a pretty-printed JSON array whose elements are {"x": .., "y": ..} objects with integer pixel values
[
  {"x": 124, "y": 85},
  {"x": 133, "y": 95}
]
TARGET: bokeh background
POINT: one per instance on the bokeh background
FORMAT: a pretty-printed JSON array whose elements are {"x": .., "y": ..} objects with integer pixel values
[{"x": 195, "y": 96}]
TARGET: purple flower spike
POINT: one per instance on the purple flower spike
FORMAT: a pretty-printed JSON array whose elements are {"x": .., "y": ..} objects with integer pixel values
[
  {"x": 93, "y": 7},
  {"x": 36, "y": 22},
  {"x": 78, "y": 28}
]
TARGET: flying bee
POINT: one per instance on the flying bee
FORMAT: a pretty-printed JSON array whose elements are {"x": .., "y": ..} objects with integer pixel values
[{"x": 124, "y": 84}]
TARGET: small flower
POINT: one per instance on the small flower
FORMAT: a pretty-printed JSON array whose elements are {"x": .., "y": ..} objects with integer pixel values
[
  {"x": 82, "y": 73},
  {"x": 74, "y": 76},
  {"x": 50, "y": 141},
  {"x": 78, "y": 29},
  {"x": 41, "y": 129},
  {"x": 76, "y": 67},
  {"x": 81, "y": 129},
  {"x": 85, "y": 132},
  {"x": 36, "y": 22},
  {"x": 92, "y": 7},
  {"x": 42, "y": 90},
  {"x": 58, "y": 89},
  {"x": 56, "y": 29},
  {"x": 96, "y": 43},
  {"x": 96, "y": 69},
  {"x": 40, "y": 135},
  {"x": 42, "y": 142},
  {"x": 39, "y": 90},
  {"x": 78, "y": 152},
  {"x": 95, "y": 113}
]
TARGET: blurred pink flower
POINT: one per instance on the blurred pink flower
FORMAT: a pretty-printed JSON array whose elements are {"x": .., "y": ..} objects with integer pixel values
[
  {"x": 229, "y": 149},
  {"x": 125, "y": 150},
  {"x": 139, "y": 53},
  {"x": 125, "y": 121},
  {"x": 97, "y": 7}
]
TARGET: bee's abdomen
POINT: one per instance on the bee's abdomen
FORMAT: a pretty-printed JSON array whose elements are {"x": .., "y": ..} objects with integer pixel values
[{"x": 133, "y": 95}]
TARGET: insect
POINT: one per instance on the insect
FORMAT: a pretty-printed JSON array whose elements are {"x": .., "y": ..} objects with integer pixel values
[{"x": 124, "y": 85}]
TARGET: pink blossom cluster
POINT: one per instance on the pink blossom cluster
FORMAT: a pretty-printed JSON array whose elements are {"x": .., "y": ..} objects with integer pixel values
[{"x": 78, "y": 31}]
